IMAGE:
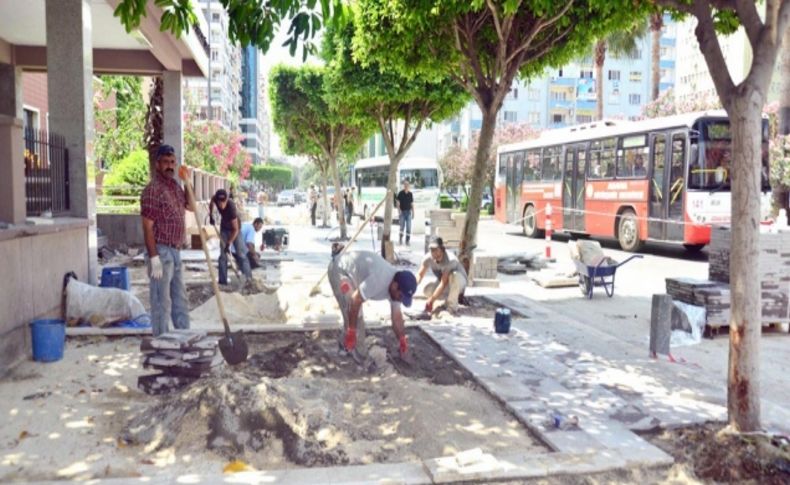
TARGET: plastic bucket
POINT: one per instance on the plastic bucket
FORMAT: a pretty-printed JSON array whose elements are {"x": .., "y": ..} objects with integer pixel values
[
  {"x": 502, "y": 320},
  {"x": 49, "y": 337}
]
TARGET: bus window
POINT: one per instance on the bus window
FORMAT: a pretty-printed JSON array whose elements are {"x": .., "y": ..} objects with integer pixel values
[
  {"x": 602, "y": 158},
  {"x": 550, "y": 166},
  {"x": 502, "y": 166},
  {"x": 519, "y": 167},
  {"x": 676, "y": 180},
  {"x": 532, "y": 166},
  {"x": 420, "y": 178},
  {"x": 631, "y": 157}
]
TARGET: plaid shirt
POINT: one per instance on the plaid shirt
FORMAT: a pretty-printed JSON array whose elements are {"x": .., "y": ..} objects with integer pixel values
[{"x": 163, "y": 201}]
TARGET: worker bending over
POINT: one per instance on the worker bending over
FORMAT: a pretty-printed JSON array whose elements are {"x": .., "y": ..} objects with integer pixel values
[
  {"x": 359, "y": 276},
  {"x": 450, "y": 276}
]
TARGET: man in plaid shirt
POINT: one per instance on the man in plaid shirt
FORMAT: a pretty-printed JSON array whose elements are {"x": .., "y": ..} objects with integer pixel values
[{"x": 162, "y": 207}]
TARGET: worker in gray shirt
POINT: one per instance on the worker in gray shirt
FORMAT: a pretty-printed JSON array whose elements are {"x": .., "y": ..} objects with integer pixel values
[
  {"x": 450, "y": 275},
  {"x": 359, "y": 276}
]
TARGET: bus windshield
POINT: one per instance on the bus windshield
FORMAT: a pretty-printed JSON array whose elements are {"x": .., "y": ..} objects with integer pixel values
[
  {"x": 712, "y": 168},
  {"x": 420, "y": 178}
]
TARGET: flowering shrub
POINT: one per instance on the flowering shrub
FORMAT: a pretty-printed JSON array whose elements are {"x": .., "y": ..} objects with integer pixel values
[
  {"x": 779, "y": 149},
  {"x": 667, "y": 105},
  {"x": 210, "y": 147}
]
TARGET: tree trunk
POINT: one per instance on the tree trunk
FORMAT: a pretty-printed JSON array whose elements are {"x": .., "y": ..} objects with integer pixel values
[
  {"x": 325, "y": 183},
  {"x": 389, "y": 206},
  {"x": 338, "y": 198},
  {"x": 154, "y": 134},
  {"x": 743, "y": 390},
  {"x": 656, "y": 23},
  {"x": 484, "y": 142},
  {"x": 600, "y": 57},
  {"x": 781, "y": 193}
]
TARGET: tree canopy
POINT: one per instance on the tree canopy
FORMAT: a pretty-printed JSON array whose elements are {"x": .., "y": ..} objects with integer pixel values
[{"x": 253, "y": 22}]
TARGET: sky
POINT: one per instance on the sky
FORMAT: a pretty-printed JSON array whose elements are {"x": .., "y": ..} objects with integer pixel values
[{"x": 280, "y": 55}]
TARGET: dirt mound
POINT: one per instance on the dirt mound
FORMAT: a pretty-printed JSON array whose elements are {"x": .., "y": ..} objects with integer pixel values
[
  {"x": 726, "y": 457},
  {"x": 300, "y": 400}
]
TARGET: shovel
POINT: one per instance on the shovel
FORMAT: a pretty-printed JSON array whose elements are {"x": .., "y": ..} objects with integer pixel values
[{"x": 233, "y": 345}]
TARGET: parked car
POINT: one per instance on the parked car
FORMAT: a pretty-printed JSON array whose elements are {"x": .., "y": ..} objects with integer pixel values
[
  {"x": 300, "y": 196},
  {"x": 286, "y": 197}
]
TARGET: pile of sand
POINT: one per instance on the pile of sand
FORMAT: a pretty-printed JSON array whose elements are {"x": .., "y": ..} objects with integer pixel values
[{"x": 255, "y": 309}]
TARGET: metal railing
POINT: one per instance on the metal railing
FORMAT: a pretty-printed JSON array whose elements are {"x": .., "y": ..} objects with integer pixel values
[{"x": 46, "y": 173}]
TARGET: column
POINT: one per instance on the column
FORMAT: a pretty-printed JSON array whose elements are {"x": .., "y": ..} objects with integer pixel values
[
  {"x": 70, "y": 93},
  {"x": 173, "y": 112},
  {"x": 12, "y": 147}
]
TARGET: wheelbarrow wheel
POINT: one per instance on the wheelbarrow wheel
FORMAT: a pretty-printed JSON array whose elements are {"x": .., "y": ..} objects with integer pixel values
[{"x": 585, "y": 285}]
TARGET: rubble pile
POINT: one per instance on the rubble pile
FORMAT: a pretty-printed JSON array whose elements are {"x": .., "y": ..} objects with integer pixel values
[{"x": 181, "y": 357}]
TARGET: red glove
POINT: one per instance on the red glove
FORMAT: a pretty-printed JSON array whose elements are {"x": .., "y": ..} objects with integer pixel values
[
  {"x": 351, "y": 339},
  {"x": 404, "y": 345},
  {"x": 429, "y": 307}
]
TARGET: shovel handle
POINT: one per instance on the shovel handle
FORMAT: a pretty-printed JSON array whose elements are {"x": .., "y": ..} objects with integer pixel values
[{"x": 220, "y": 306}]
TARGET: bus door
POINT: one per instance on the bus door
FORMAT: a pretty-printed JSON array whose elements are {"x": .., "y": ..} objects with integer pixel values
[
  {"x": 573, "y": 187},
  {"x": 677, "y": 186},
  {"x": 657, "y": 210},
  {"x": 515, "y": 174}
]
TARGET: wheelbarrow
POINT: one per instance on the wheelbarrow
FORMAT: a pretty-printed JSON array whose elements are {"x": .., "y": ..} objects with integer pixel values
[{"x": 602, "y": 274}]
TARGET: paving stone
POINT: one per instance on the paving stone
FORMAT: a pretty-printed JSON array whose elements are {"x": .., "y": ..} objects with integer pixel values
[
  {"x": 584, "y": 463},
  {"x": 407, "y": 473},
  {"x": 448, "y": 470}
]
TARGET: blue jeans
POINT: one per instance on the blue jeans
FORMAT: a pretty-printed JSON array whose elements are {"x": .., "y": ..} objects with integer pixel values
[
  {"x": 241, "y": 257},
  {"x": 405, "y": 223},
  {"x": 168, "y": 295}
]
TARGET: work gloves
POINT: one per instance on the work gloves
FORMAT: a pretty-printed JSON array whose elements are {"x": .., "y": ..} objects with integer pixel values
[
  {"x": 429, "y": 306},
  {"x": 351, "y": 339},
  {"x": 404, "y": 345},
  {"x": 156, "y": 268}
]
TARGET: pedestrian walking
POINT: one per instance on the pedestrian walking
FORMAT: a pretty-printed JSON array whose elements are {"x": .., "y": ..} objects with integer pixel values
[
  {"x": 350, "y": 204},
  {"x": 356, "y": 277},
  {"x": 261, "y": 199},
  {"x": 230, "y": 228},
  {"x": 451, "y": 279},
  {"x": 162, "y": 206},
  {"x": 312, "y": 197},
  {"x": 405, "y": 201}
]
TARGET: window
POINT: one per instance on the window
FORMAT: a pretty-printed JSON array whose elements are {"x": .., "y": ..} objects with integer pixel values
[
  {"x": 31, "y": 120},
  {"x": 514, "y": 91},
  {"x": 511, "y": 116},
  {"x": 214, "y": 55},
  {"x": 215, "y": 17},
  {"x": 534, "y": 94},
  {"x": 632, "y": 156},
  {"x": 602, "y": 158},
  {"x": 559, "y": 73},
  {"x": 657, "y": 186},
  {"x": 586, "y": 74},
  {"x": 635, "y": 76},
  {"x": 614, "y": 75},
  {"x": 634, "y": 98},
  {"x": 635, "y": 54},
  {"x": 556, "y": 118},
  {"x": 550, "y": 166},
  {"x": 532, "y": 165},
  {"x": 534, "y": 117},
  {"x": 373, "y": 177},
  {"x": 583, "y": 118},
  {"x": 420, "y": 178},
  {"x": 559, "y": 96},
  {"x": 502, "y": 166}
]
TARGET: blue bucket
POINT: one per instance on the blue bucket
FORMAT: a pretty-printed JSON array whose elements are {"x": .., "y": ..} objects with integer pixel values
[
  {"x": 502, "y": 320},
  {"x": 49, "y": 337}
]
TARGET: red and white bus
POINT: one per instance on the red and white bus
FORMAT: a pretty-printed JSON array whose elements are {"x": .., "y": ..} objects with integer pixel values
[{"x": 662, "y": 179}]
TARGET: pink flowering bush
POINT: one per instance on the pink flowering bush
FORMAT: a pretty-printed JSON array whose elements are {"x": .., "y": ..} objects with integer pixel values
[{"x": 208, "y": 146}]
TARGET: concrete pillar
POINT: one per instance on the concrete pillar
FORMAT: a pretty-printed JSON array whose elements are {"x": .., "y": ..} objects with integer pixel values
[
  {"x": 70, "y": 92},
  {"x": 198, "y": 185},
  {"x": 173, "y": 112},
  {"x": 12, "y": 147}
]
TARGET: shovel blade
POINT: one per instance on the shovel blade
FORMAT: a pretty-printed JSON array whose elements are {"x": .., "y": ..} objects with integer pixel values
[{"x": 234, "y": 348}]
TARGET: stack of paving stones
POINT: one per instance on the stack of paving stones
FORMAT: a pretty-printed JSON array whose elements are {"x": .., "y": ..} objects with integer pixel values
[
  {"x": 484, "y": 271},
  {"x": 719, "y": 254},
  {"x": 683, "y": 289},
  {"x": 716, "y": 300},
  {"x": 181, "y": 357},
  {"x": 447, "y": 225}
]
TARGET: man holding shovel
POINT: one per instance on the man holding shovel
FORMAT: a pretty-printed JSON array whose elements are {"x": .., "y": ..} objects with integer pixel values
[
  {"x": 230, "y": 229},
  {"x": 162, "y": 207},
  {"x": 359, "y": 276}
]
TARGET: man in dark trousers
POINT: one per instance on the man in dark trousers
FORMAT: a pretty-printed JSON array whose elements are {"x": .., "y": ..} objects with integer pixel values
[
  {"x": 230, "y": 229},
  {"x": 405, "y": 201}
]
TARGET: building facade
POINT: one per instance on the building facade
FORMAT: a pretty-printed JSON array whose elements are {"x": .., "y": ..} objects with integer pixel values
[
  {"x": 251, "y": 104},
  {"x": 224, "y": 72},
  {"x": 566, "y": 96}
]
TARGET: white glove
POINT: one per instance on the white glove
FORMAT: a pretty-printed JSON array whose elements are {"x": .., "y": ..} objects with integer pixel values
[{"x": 156, "y": 268}]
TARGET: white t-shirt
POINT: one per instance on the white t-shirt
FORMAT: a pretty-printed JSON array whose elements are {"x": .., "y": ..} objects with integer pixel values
[
  {"x": 449, "y": 264},
  {"x": 371, "y": 273}
]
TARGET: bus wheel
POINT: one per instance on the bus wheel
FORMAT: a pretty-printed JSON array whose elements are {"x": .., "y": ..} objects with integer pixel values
[
  {"x": 693, "y": 248},
  {"x": 529, "y": 224},
  {"x": 628, "y": 232}
]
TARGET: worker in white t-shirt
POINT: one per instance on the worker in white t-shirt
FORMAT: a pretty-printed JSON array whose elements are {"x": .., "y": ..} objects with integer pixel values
[{"x": 359, "y": 276}]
